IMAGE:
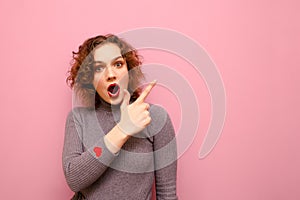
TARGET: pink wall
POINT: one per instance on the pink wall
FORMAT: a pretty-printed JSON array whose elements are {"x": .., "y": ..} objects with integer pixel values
[{"x": 255, "y": 45}]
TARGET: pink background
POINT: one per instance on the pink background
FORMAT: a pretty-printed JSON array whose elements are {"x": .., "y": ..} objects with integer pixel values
[{"x": 255, "y": 45}]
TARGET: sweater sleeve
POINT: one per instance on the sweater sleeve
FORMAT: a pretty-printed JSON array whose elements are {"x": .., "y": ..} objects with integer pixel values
[
  {"x": 165, "y": 158},
  {"x": 82, "y": 168}
]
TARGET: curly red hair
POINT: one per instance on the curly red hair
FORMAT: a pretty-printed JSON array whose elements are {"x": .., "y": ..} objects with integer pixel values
[{"x": 81, "y": 74}]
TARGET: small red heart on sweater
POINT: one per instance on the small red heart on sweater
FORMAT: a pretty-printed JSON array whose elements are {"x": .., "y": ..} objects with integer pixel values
[{"x": 98, "y": 151}]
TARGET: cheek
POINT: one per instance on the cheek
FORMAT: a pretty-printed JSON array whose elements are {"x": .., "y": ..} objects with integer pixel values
[
  {"x": 125, "y": 80},
  {"x": 97, "y": 81},
  {"x": 124, "y": 74}
]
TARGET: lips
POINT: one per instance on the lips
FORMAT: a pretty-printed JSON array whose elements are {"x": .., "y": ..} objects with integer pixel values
[{"x": 113, "y": 90}]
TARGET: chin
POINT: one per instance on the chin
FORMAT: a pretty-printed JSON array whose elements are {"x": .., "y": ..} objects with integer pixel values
[{"x": 115, "y": 101}]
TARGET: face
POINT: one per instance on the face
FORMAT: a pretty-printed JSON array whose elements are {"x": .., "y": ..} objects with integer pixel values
[{"x": 110, "y": 73}]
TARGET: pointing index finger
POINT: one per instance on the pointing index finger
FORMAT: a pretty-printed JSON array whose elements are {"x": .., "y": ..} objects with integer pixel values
[{"x": 146, "y": 92}]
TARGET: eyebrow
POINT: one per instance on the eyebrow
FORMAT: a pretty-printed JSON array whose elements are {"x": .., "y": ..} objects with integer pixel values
[{"x": 116, "y": 58}]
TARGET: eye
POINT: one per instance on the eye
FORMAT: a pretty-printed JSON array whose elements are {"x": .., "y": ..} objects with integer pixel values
[
  {"x": 98, "y": 68},
  {"x": 119, "y": 64}
]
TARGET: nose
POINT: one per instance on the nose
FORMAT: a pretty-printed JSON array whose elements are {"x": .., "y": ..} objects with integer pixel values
[{"x": 110, "y": 76}]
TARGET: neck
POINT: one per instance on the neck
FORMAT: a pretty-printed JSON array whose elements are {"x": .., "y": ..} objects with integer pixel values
[{"x": 103, "y": 105}]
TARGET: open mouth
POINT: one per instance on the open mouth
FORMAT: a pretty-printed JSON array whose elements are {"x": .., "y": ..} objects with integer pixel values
[{"x": 113, "y": 90}]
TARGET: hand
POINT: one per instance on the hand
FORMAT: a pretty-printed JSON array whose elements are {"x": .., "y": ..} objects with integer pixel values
[{"x": 135, "y": 117}]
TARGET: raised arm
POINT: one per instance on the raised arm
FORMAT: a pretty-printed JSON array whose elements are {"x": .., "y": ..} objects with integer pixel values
[{"x": 82, "y": 168}]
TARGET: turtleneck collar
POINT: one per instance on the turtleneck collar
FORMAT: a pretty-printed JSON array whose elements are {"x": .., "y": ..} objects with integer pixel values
[{"x": 107, "y": 106}]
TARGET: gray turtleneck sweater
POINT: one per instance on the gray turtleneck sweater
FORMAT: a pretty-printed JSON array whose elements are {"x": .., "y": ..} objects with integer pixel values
[{"x": 148, "y": 157}]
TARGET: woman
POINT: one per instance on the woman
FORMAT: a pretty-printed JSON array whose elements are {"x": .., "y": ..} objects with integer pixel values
[{"x": 116, "y": 145}]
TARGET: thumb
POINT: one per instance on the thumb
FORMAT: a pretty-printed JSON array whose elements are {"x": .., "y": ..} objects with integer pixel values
[{"x": 126, "y": 99}]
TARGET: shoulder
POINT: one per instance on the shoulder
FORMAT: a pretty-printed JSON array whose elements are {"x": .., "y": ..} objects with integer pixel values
[
  {"x": 157, "y": 109},
  {"x": 157, "y": 112},
  {"x": 78, "y": 114},
  {"x": 159, "y": 118}
]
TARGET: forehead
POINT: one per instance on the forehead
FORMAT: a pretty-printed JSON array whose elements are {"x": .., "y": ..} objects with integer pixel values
[{"x": 105, "y": 53}]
